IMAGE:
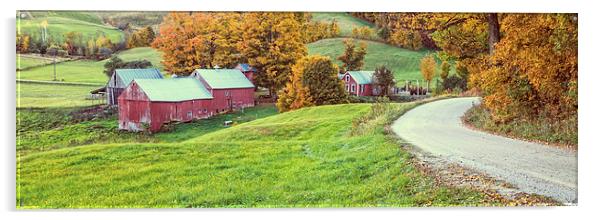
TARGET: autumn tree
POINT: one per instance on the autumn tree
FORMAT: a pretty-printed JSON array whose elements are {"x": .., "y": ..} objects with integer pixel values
[
  {"x": 73, "y": 40},
  {"x": 352, "y": 58},
  {"x": 141, "y": 38},
  {"x": 445, "y": 68},
  {"x": 272, "y": 43},
  {"x": 334, "y": 28},
  {"x": 427, "y": 69},
  {"x": 314, "y": 81},
  {"x": 384, "y": 80},
  {"x": 198, "y": 40}
]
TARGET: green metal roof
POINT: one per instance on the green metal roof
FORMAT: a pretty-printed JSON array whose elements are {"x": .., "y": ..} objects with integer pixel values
[
  {"x": 362, "y": 77},
  {"x": 225, "y": 78},
  {"x": 127, "y": 75},
  {"x": 173, "y": 90}
]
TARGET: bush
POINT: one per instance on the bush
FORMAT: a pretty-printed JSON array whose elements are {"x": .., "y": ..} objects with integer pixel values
[{"x": 454, "y": 82}]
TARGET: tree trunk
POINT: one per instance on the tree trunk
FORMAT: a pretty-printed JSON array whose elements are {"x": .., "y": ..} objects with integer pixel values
[{"x": 494, "y": 31}]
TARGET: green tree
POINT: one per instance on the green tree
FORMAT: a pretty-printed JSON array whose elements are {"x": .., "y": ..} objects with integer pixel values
[
  {"x": 384, "y": 80},
  {"x": 117, "y": 63},
  {"x": 353, "y": 59}
]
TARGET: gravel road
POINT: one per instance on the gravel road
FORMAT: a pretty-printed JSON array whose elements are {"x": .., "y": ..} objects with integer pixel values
[{"x": 436, "y": 128}]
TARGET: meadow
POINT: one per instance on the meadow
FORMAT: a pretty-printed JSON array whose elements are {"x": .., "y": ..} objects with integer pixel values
[
  {"x": 88, "y": 71},
  {"x": 58, "y": 25},
  {"x": 305, "y": 158},
  {"x": 345, "y": 21},
  {"x": 45, "y": 95},
  {"x": 404, "y": 63}
]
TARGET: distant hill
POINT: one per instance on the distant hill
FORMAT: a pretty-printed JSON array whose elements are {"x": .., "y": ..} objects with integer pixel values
[{"x": 345, "y": 21}]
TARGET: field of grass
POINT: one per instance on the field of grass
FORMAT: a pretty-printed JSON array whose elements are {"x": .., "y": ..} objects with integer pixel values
[
  {"x": 42, "y": 95},
  {"x": 88, "y": 71},
  {"x": 404, "y": 63},
  {"x": 54, "y": 128},
  {"x": 58, "y": 26},
  {"x": 304, "y": 158},
  {"x": 345, "y": 21},
  {"x": 24, "y": 62}
]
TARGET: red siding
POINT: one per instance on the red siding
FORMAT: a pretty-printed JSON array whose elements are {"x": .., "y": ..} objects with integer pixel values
[
  {"x": 237, "y": 98},
  {"x": 367, "y": 91},
  {"x": 136, "y": 112},
  {"x": 249, "y": 75}
]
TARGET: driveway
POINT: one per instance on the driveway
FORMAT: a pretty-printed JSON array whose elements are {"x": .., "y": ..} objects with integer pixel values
[{"x": 436, "y": 128}]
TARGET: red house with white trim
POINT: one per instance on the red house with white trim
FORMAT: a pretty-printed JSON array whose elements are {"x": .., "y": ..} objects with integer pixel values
[
  {"x": 229, "y": 87},
  {"x": 148, "y": 104},
  {"x": 359, "y": 83}
]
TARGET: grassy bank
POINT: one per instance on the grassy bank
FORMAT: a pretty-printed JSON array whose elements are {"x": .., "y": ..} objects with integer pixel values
[
  {"x": 43, "y": 95},
  {"x": 559, "y": 132},
  {"x": 345, "y": 21},
  {"x": 304, "y": 158}
]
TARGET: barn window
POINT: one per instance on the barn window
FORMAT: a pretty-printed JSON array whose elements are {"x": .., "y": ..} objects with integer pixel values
[
  {"x": 227, "y": 93},
  {"x": 347, "y": 78},
  {"x": 204, "y": 110},
  {"x": 190, "y": 114}
]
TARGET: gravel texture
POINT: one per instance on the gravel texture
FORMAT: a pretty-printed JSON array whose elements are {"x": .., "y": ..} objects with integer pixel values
[{"x": 436, "y": 128}]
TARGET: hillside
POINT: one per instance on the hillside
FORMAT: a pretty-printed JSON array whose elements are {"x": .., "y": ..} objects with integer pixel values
[
  {"x": 59, "y": 23},
  {"x": 345, "y": 21},
  {"x": 404, "y": 63},
  {"x": 88, "y": 71},
  {"x": 297, "y": 159}
]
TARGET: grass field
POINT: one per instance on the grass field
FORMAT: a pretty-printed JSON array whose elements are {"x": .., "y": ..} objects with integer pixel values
[
  {"x": 53, "y": 128},
  {"x": 304, "y": 158},
  {"x": 345, "y": 21},
  {"x": 87, "y": 71},
  {"x": 42, "y": 95},
  {"x": 24, "y": 61},
  {"x": 58, "y": 26},
  {"x": 405, "y": 64}
]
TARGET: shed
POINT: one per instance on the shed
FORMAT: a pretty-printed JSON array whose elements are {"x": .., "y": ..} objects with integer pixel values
[
  {"x": 359, "y": 82},
  {"x": 247, "y": 70},
  {"x": 121, "y": 78},
  {"x": 229, "y": 87},
  {"x": 151, "y": 103}
]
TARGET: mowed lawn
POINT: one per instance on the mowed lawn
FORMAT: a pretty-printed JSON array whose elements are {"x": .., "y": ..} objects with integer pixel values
[
  {"x": 304, "y": 158},
  {"x": 44, "y": 95},
  {"x": 345, "y": 21},
  {"x": 88, "y": 71},
  {"x": 404, "y": 63}
]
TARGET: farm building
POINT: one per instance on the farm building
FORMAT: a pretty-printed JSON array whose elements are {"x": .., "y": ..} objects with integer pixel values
[
  {"x": 121, "y": 78},
  {"x": 150, "y": 103},
  {"x": 229, "y": 87},
  {"x": 248, "y": 70},
  {"x": 359, "y": 83}
]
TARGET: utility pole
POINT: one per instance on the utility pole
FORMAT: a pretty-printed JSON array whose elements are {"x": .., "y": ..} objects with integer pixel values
[{"x": 54, "y": 64}]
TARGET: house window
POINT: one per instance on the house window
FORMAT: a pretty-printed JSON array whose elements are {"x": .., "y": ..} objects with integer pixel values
[
  {"x": 352, "y": 87},
  {"x": 347, "y": 78},
  {"x": 361, "y": 88},
  {"x": 347, "y": 87}
]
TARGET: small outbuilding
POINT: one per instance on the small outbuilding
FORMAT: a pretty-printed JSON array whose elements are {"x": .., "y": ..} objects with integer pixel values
[
  {"x": 359, "y": 83},
  {"x": 121, "y": 78},
  {"x": 247, "y": 70},
  {"x": 151, "y": 103},
  {"x": 229, "y": 87}
]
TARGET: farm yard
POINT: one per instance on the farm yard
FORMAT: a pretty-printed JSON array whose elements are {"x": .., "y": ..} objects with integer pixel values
[{"x": 309, "y": 139}]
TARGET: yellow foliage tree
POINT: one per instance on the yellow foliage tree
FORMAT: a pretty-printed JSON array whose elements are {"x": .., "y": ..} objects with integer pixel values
[{"x": 427, "y": 68}]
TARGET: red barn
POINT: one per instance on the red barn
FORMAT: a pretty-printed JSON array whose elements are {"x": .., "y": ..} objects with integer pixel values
[
  {"x": 121, "y": 78},
  {"x": 248, "y": 70},
  {"x": 150, "y": 103},
  {"x": 229, "y": 87},
  {"x": 358, "y": 83}
]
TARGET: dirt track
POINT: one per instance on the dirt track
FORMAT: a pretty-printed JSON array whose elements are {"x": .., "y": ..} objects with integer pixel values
[{"x": 436, "y": 128}]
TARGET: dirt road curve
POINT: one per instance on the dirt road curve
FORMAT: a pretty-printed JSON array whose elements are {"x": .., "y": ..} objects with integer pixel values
[{"x": 436, "y": 128}]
